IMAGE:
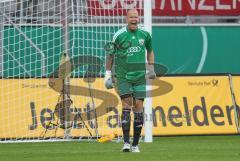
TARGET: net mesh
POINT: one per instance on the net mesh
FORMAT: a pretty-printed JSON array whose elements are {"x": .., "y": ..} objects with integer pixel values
[{"x": 37, "y": 39}]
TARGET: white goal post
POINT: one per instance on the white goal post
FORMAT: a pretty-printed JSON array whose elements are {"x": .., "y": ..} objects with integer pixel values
[
  {"x": 148, "y": 103},
  {"x": 52, "y": 68}
]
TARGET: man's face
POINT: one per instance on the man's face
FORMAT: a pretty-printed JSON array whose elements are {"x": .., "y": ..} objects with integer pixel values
[{"x": 132, "y": 19}]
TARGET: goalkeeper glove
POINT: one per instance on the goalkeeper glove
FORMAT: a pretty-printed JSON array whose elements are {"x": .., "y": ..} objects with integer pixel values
[
  {"x": 150, "y": 72},
  {"x": 108, "y": 82}
]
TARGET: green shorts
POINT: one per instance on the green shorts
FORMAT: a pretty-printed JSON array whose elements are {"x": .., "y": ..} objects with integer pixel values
[{"x": 136, "y": 89}]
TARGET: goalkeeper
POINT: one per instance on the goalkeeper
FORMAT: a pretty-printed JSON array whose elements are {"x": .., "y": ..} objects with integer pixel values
[{"x": 131, "y": 75}]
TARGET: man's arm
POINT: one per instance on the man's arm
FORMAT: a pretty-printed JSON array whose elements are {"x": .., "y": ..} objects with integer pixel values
[
  {"x": 150, "y": 67},
  {"x": 109, "y": 62},
  {"x": 108, "y": 74},
  {"x": 150, "y": 58}
]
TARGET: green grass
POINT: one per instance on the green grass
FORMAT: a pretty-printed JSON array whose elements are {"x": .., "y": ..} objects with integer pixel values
[{"x": 187, "y": 148}]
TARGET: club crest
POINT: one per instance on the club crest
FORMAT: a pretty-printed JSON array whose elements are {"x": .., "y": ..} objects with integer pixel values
[{"x": 141, "y": 41}]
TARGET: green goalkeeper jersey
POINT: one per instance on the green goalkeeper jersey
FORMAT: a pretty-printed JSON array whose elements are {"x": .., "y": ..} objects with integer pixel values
[{"x": 130, "y": 62}]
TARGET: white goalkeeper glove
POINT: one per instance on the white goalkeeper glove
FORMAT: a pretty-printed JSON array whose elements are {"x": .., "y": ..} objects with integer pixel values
[
  {"x": 108, "y": 82},
  {"x": 150, "y": 72}
]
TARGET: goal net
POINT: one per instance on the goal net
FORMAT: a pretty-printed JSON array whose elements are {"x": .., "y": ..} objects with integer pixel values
[{"x": 52, "y": 65}]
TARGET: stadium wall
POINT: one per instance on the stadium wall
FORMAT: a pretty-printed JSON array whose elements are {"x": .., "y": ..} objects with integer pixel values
[
  {"x": 182, "y": 49},
  {"x": 197, "y": 49}
]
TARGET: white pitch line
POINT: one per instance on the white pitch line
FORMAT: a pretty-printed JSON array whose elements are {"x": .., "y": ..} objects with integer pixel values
[{"x": 204, "y": 51}]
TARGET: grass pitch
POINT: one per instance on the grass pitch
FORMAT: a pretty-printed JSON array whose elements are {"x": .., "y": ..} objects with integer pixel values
[{"x": 184, "y": 148}]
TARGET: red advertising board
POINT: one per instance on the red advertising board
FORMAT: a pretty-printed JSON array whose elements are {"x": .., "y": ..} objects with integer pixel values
[{"x": 166, "y": 7}]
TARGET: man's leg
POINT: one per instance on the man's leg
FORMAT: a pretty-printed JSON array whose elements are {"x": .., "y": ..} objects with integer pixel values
[
  {"x": 139, "y": 93},
  {"x": 124, "y": 90},
  {"x": 138, "y": 121},
  {"x": 126, "y": 120}
]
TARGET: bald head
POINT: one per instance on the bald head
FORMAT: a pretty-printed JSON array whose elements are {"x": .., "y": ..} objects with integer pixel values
[
  {"x": 133, "y": 10},
  {"x": 132, "y": 19}
]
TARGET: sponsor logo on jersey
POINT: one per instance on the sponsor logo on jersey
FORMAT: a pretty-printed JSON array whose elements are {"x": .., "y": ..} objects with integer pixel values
[{"x": 134, "y": 49}]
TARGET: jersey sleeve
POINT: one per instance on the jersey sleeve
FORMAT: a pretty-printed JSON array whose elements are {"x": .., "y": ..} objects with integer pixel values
[
  {"x": 113, "y": 41},
  {"x": 117, "y": 36},
  {"x": 148, "y": 43}
]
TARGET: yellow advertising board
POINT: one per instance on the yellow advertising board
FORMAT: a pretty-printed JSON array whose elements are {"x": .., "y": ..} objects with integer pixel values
[
  {"x": 28, "y": 108},
  {"x": 236, "y": 90},
  {"x": 183, "y": 105},
  {"x": 195, "y": 105}
]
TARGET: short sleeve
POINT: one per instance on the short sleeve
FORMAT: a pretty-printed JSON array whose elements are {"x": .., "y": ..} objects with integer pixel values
[{"x": 148, "y": 43}]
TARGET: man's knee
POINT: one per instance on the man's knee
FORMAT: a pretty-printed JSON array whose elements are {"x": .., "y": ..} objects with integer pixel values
[
  {"x": 138, "y": 105},
  {"x": 127, "y": 101}
]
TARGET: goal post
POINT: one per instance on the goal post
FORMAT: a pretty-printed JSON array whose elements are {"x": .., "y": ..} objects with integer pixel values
[
  {"x": 39, "y": 38},
  {"x": 148, "y": 104},
  {"x": 1, "y": 44}
]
